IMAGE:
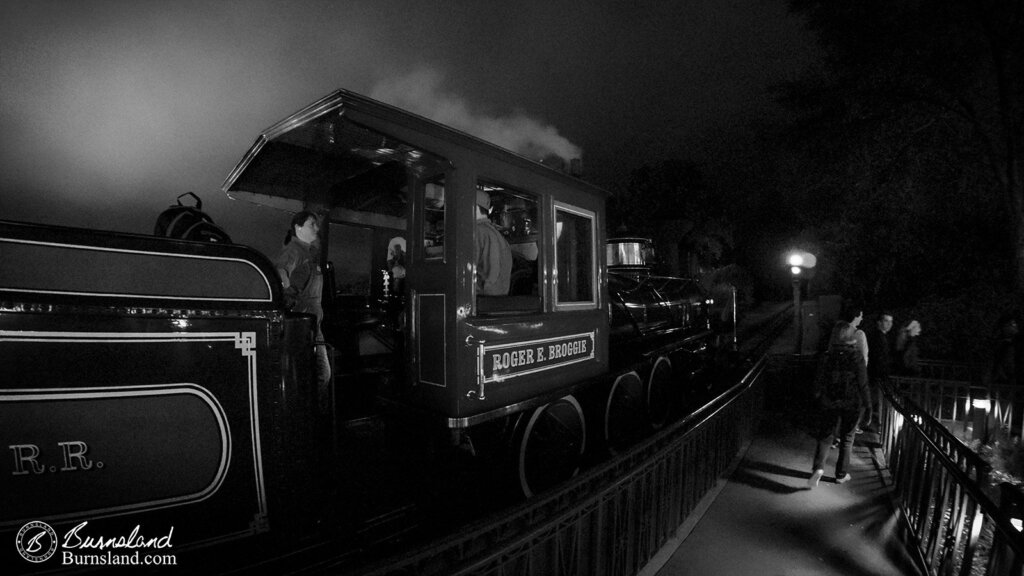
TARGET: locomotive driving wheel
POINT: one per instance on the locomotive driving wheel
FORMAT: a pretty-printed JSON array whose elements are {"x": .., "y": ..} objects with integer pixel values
[
  {"x": 659, "y": 397},
  {"x": 625, "y": 420},
  {"x": 550, "y": 448}
]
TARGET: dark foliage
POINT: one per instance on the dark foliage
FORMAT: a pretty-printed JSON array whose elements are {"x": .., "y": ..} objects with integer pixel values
[{"x": 908, "y": 142}]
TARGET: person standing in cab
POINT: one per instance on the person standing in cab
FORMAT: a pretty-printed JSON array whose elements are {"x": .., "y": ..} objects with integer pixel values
[
  {"x": 298, "y": 265},
  {"x": 493, "y": 254}
]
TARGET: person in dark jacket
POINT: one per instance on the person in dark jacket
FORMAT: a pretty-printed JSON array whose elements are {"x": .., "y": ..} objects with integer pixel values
[
  {"x": 841, "y": 390},
  {"x": 1003, "y": 370},
  {"x": 880, "y": 360},
  {"x": 298, "y": 265},
  {"x": 906, "y": 349}
]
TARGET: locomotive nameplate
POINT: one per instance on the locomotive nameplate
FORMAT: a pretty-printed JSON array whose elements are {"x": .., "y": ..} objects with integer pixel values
[{"x": 504, "y": 361}]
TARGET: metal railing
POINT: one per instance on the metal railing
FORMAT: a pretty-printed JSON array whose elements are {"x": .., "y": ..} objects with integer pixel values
[
  {"x": 951, "y": 402},
  {"x": 944, "y": 370},
  {"x": 940, "y": 488},
  {"x": 611, "y": 520}
]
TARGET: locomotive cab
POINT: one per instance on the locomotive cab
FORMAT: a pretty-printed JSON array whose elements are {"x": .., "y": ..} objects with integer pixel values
[
  {"x": 519, "y": 359},
  {"x": 406, "y": 316}
]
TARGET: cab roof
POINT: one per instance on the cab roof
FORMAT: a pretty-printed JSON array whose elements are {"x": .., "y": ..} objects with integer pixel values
[{"x": 318, "y": 147}]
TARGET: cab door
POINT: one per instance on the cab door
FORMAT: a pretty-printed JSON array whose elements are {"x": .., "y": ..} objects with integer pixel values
[{"x": 431, "y": 279}]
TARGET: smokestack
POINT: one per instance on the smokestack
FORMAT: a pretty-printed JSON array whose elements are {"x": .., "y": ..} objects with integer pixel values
[
  {"x": 554, "y": 161},
  {"x": 420, "y": 92},
  {"x": 573, "y": 167},
  {"x": 576, "y": 167}
]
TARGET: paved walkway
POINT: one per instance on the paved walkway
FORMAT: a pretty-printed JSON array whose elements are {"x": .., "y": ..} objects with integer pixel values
[{"x": 764, "y": 520}]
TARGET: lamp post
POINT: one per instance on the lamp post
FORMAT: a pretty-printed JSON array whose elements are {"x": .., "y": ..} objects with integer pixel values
[
  {"x": 795, "y": 263},
  {"x": 800, "y": 265}
]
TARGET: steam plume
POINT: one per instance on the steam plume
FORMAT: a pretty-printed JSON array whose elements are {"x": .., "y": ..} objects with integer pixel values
[{"x": 420, "y": 93}]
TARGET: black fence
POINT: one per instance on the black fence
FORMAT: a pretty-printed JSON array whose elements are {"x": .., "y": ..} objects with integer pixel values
[
  {"x": 956, "y": 521},
  {"x": 610, "y": 520},
  {"x": 965, "y": 406}
]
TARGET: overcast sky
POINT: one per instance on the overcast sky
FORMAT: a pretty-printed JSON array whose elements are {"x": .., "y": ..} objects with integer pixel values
[{"x": 110, "y": 109}]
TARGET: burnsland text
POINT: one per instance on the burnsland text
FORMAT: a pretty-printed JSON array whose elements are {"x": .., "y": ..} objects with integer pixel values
[{"x": 74, "y": 539}]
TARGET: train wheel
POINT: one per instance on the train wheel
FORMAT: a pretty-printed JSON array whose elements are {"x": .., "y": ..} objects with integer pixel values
[
  {"x": 659, "y": 393},
  {"x": 551, "y": 446},
  {"x": 625, "y": 418}
]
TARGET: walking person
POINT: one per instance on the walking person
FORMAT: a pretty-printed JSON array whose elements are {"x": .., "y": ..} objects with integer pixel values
[
  {"x": 852, "y": 316},
  {"x": 841, "y": 390},
  {"x": 861, "y": 344}
]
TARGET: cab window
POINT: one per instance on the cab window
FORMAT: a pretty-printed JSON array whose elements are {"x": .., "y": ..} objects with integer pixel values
[
  {"x": 433, "y": 219},
  {"x": 575, "y": 263},
  {"x": 513, "y": 213}
]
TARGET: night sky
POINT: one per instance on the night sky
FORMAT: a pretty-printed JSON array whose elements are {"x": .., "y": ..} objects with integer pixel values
[{"x": 109, "y": 110}]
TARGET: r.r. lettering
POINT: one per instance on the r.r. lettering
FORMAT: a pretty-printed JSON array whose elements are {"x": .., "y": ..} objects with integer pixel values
[{"x": 26, "y": 458}]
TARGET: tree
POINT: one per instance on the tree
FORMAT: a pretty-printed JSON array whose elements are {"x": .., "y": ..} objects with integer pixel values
[{"x": 900, "y": 75}]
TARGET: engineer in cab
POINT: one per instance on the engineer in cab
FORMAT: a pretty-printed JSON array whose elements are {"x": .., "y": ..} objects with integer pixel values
[{"x": 493, "y": 254}]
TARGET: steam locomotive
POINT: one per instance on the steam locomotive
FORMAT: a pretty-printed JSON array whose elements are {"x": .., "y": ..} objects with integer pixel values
[{"x": 162, "y": 384}]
